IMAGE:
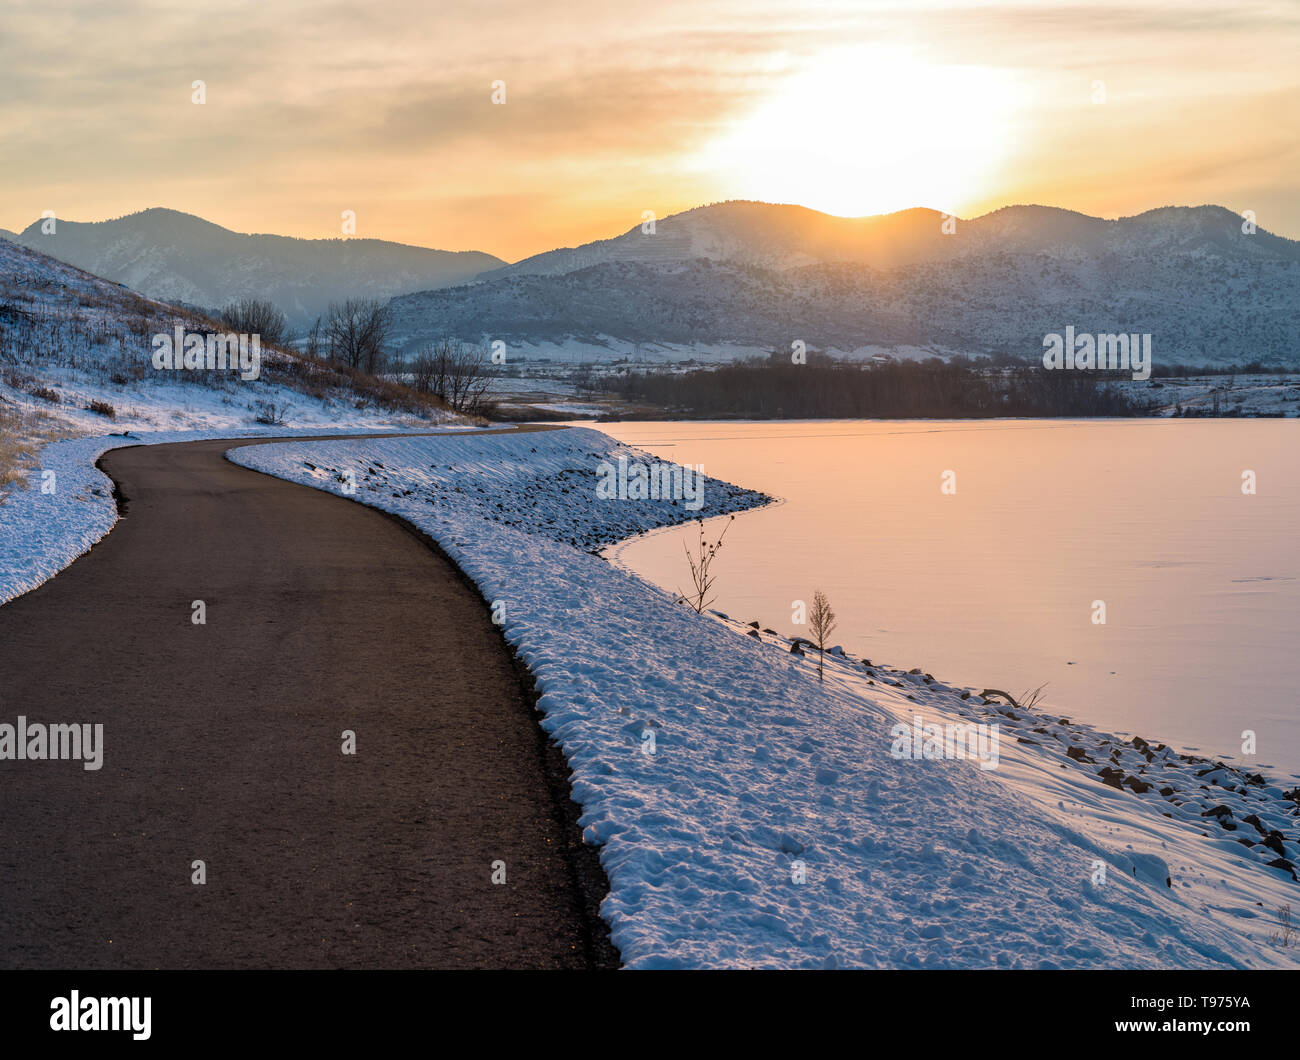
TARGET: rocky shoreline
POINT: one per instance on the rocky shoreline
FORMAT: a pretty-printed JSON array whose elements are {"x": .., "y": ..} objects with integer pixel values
[{"x": 1209, "y": 795}]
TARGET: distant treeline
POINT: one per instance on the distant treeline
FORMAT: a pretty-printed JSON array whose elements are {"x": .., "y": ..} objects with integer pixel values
[
  {"x": 1159, "y": 368},
  {"x": 826, "y": 389},
  {"x": 1190, "y": 371}
]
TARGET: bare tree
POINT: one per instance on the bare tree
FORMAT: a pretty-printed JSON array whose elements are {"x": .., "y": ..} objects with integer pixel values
[
  {"x": 701, "y": 562},
  {"x": 424, "y": 370},
  {"x": 356, "y": 331},
  {"x": 454, "y": 371},
  {"x": 253, "y": 316},
  {"x": 822, "y": 623},
  {"x": 313, "y": 339}
]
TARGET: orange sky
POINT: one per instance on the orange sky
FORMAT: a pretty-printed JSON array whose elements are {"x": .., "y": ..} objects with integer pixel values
[{"x": 613, "y": 109}]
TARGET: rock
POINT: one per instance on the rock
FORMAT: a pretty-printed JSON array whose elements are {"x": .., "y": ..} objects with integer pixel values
[
  {"x": 1166, "y": 791},
  {"x": 1255, "y": 822},
  {"x": 753, "y": 633},
  {"x": 795, "y": 649},
  {"x": 1113, "y": 777},
  {"x": 1218, "y": 811},
  {"x": 1078, "y": 754},
  {"x": 1274, "y": 843},
  {"x": 1139, "y": 786},
  {"x": 791, "y": 845},
  {"x": 755, "y": 625},
  {"x": 1282, "y": 863}
]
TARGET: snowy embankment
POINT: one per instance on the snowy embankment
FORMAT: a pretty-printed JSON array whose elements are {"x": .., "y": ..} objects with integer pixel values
[{"x": 749, "y": 816}]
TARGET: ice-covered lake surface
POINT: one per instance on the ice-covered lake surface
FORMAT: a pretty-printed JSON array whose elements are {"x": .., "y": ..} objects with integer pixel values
[{"x": 996, "y": 583}]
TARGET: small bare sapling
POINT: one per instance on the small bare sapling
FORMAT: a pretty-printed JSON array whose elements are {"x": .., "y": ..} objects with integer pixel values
[
  {"x": 822, "y": 623},
  {"x": 701, "y": 564}
]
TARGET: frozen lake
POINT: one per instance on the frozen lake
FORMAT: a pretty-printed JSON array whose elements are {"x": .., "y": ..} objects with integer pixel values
[{"x": 995, "y": 585}]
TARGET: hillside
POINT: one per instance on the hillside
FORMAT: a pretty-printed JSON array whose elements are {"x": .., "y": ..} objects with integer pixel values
[
  {"x": 76, "y": 358},
  {"x": 750, "y": 276},
  {"x": 177, "y": 257}
]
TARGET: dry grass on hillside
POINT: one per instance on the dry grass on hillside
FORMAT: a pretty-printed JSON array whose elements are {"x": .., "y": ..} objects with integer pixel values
[{"x": 23, "y": 432}]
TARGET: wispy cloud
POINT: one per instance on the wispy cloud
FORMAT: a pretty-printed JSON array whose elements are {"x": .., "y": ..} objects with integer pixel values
[{"x": 385, "y": 109}]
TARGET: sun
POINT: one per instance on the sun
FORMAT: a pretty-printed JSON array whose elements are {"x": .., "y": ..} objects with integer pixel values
[{"x": 872, "y": 130}]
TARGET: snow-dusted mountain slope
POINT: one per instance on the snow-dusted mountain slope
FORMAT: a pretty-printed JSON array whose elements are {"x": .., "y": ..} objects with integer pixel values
[
  {"x": 177, "y": 257},
  {"x": 76, "y": 358},
  {"x": 749, "y": 816},
  {"x": 754, "y": 233},
  {"x": 746, "y": 275},
  {"x": 781, "y": 237}
]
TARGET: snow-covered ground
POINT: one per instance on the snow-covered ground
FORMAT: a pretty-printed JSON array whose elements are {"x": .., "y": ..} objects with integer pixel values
[
  {"x": 1239, "y": 395},
  {"x": 748, "y": 815}
]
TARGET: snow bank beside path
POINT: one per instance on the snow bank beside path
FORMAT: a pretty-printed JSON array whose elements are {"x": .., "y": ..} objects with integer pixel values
[{"x": 749, "y": 816}]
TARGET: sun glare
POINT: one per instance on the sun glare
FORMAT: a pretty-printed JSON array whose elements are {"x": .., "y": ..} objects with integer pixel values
[{"x": 871, "y": 130}]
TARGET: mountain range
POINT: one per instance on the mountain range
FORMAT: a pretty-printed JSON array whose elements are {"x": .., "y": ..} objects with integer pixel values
[
  {"x": 177, "y": 257},
  {"x": 747, "y": 276},
  {"x": 753, "y": 275}
]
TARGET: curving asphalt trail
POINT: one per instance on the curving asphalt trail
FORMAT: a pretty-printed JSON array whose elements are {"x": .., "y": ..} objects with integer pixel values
[{"x": 222, "y": 743}]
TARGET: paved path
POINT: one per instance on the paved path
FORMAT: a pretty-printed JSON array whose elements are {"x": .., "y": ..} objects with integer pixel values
[{"x": 222, "y": 743}]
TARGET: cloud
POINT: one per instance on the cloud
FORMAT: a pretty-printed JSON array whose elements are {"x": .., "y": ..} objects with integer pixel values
[{"x": 386, "y": 107}]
